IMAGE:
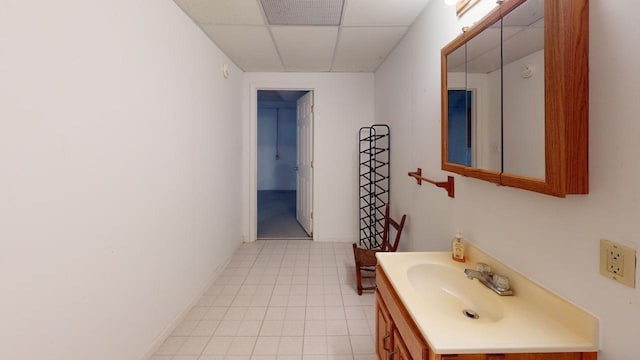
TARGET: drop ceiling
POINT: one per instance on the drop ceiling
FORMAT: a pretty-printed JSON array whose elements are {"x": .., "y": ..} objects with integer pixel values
[{"x": 305, "y": 35}]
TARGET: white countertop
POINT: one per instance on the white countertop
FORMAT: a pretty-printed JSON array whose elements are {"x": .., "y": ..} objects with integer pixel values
[{"x": 532, "y": 320}]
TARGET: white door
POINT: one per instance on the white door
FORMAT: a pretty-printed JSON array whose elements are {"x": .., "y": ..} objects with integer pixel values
[{"x": 304, "y": 200}]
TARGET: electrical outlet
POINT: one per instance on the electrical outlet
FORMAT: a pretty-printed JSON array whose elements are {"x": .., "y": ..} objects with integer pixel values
[
  {"x": 618, "y": 262},
  {"x": 615, "y": 260}
]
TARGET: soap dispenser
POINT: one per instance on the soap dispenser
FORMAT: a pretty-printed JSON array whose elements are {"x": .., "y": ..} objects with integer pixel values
[{"x": 457, "y": 248}]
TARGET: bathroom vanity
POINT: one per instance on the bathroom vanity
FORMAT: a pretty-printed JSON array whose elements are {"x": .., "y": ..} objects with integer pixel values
[{"x": 424, "y": 302}]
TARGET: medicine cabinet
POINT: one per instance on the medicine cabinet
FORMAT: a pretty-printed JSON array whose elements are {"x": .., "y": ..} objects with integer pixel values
[{"x": 515, "y": 97}]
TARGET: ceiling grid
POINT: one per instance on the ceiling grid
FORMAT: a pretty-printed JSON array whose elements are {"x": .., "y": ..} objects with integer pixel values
[{"x": 305, "y": 35}]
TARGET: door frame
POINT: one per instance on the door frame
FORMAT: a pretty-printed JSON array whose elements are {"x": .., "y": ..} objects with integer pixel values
[{"x": 253, "y": 157}]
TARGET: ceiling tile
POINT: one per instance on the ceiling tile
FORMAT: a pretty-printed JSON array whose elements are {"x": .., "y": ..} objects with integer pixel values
[
  {"x": 382, "y": 12},
  {"x": 306, "y": 48},
  {"x": 250, "y": 47},
  {"x": 364, "y": 49},
  {"x": 223, "y": 12}
]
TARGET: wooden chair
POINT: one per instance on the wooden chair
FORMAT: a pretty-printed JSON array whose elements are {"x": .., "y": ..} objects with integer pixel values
[{"x": 366, "y": 258}]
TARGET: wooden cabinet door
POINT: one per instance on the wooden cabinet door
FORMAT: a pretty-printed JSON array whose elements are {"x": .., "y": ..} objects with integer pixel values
[
  {"x": 400, "y": 351},
  {"x": 384, "y": 330}
]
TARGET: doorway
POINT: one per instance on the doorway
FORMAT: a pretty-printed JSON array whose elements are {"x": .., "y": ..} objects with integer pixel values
[{"x": 284, "y": 173}]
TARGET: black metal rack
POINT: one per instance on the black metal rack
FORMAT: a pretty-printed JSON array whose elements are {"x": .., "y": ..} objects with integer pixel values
[{"x": 374, "y": 183}]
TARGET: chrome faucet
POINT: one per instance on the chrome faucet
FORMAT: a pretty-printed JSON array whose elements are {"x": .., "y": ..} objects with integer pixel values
[{"x": 498, "y": 283}]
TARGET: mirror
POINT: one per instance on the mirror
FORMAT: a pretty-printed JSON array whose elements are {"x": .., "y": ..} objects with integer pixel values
[
  {"x": 523, "y": 90},
  {"x": 483, "y": 82},
  {"x": 511, "y": 113},
  {"x": 473, "y": 104},
  {"x": 459, "y": 106}
]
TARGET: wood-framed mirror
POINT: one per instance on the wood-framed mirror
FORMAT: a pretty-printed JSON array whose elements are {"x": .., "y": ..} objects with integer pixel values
[{"x": 515, "y": 97}]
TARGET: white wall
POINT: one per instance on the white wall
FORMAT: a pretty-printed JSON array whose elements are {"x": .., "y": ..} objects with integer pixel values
[
  {"x": 277, "y": 119},
  {"x": 551, "y": 240},
  {"x": 117, "y": 138},
  {"x": 343, "y": 104}
]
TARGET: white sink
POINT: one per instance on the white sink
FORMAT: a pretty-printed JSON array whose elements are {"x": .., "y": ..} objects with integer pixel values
[
  {"x": 448, "y": 289},
  {"x": 435, "y": 290}
]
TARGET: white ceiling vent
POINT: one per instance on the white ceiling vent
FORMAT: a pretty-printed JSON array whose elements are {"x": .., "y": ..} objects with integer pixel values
[{"x": 303, "y": 12}]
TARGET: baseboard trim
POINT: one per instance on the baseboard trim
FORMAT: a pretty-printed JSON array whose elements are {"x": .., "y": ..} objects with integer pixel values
[
  {"x": 183, "y": 314},
  {"x": 284, "y": 238},
  {"x": 337, "y": 240}
]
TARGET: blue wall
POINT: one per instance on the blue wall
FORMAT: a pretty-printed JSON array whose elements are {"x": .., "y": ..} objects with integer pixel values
[{"x": 277, "y": 174}]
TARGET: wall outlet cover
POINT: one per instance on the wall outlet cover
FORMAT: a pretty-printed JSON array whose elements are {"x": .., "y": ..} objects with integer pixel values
[{"x": 618, "y": 262}]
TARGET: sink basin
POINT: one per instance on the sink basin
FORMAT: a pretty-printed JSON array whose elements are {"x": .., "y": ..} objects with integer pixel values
[
  {"x": 449, "y": 290},
  {"x": 434, "y": 291}
]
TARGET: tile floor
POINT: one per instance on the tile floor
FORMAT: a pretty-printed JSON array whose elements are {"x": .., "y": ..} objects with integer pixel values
[{"x": 279, "y": 300}]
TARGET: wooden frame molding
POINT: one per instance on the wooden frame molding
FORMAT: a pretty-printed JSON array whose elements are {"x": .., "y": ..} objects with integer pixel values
[{"x": 462, "y": 6}]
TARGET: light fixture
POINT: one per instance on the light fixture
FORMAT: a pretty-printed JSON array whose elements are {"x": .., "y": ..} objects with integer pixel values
[
  {"x": 308, "y": 12},
  {"x": 450, "y": 2}
]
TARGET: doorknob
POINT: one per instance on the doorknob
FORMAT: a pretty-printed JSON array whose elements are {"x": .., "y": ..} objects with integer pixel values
[{"x": 295, "y": 168}]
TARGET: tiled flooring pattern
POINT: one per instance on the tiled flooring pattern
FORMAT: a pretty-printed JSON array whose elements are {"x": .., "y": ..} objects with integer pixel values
[{"x": 279, "y": 300}]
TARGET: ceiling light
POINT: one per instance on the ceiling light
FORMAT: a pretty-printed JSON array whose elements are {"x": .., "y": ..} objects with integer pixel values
[
  {"x": 450, "y": 2},
  {"x": 303, "y": 12}
]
